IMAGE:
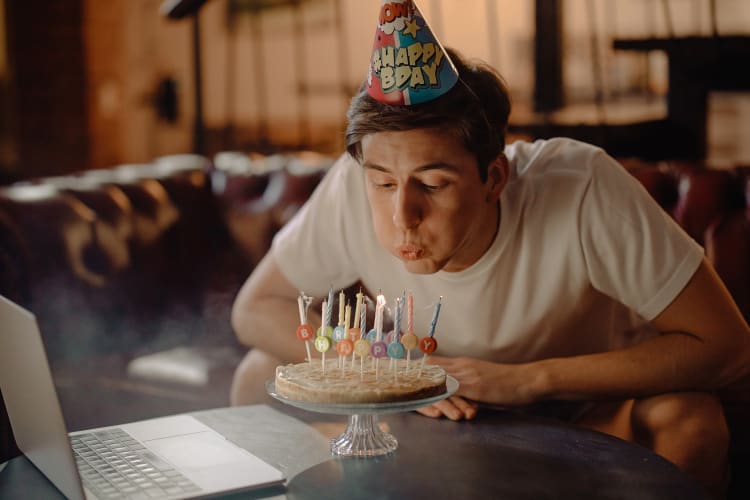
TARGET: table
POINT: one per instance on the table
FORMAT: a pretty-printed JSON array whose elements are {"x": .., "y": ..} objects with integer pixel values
[{"x": 497, "y": 455}]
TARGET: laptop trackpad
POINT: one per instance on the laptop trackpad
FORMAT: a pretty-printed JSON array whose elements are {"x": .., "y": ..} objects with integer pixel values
[{"x": 211, "y": 461}]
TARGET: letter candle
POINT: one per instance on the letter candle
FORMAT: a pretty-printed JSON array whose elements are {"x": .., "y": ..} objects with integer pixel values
[
  {"x": 395, "y": 348},
  {"x": 323, "y": 342},
  {"x": 409, "y": 340},
  {"x": 378, "y": 349},
  {"x": 356, "y": 332},
  {"x": 345, "y": 346},
  {"x": 428, "y": 344},
  {"x": 362, "y": 346},
  {"x": 339, "y": 333},
  {"x": 325, "y": 329},
  {"x": 304, "y": 330}
]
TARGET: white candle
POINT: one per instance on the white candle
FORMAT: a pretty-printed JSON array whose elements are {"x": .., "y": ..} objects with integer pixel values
[
  {"x": 301, "y": 305},
  {"x": 379, "y": 317},
  {"x": 323, "y": 312},
  {"x": 342, "y": 300}
]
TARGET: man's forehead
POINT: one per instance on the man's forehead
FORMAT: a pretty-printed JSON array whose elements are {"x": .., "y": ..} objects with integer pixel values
[
  {"x": 416, "y": 150},
  {"x": 447, "y": 167},
  {"x": 425, "y": 142}
]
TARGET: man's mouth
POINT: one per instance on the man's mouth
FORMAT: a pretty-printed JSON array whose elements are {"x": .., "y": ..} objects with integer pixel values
[{"x": 410, "y": 252}]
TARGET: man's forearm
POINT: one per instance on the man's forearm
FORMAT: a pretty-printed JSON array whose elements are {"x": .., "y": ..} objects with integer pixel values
[
  {"x": 667, "y": 363},
  {"x": 270, "y": 325}
]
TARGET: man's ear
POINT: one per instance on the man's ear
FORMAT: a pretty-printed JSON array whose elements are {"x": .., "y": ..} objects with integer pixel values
[{"x": 498, "y": 172}]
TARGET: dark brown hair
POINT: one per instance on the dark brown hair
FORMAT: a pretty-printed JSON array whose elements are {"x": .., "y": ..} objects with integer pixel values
[{"x": 475, "y": 111}]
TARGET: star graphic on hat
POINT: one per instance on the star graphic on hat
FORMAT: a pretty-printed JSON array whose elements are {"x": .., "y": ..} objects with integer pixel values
[{"x": 411, "y": 28}]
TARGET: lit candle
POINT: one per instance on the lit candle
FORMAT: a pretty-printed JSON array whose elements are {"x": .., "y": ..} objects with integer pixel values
[{"x": 379, "y": 307}]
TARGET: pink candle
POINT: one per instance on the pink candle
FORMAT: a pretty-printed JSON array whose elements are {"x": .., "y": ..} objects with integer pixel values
[{"x": 410, "y": 314}]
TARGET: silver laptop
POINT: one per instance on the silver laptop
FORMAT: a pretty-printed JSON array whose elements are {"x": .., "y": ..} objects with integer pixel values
[{"x": 169, "y": 457}]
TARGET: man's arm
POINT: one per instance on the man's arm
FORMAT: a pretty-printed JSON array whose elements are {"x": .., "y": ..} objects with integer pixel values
[
  {"x": 704, "y": 346},
  {"x": 265, "y": 314}
]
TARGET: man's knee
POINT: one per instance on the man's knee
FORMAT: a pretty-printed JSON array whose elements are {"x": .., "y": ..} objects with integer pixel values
[
  {"x": 248, "y": 383},
  {"x": 695, "y": 419}
]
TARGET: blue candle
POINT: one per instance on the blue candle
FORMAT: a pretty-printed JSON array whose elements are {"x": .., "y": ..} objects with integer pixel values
[
  {"x": 397, "y": 321},
  {"x": 363, "y": 319},
  {"x": 329, "y": 308},
  {"x": 435, "y": 317}
]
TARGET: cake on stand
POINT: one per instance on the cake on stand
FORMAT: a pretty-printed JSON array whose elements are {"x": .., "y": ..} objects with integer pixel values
[{"x": 363, "y": 437}]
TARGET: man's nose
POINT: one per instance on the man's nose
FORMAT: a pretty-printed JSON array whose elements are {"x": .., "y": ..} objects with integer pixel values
[{"x": 407, "y": 212}]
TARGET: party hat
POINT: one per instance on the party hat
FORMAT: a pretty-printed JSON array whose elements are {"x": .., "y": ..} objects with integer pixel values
[{"x": 408, "y": 63}]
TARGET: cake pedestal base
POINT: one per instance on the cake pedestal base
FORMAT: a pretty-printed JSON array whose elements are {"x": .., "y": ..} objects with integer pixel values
[{"x": 363, "y": 438}]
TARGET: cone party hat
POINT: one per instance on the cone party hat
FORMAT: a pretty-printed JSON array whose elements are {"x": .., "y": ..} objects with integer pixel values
[{"x": 408, "y": 64}]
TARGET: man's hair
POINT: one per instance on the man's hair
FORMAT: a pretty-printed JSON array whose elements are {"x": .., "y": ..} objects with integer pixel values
[{"x": 475, "y": 111}]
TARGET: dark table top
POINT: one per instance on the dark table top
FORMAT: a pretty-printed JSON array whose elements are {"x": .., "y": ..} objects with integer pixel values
[{"x": 497, "y": 455}]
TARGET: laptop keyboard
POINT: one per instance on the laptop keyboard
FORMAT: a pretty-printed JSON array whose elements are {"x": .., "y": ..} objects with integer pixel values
[{"x": 114, "y": 465}]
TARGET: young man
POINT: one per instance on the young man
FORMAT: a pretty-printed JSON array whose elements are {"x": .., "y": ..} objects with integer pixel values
[{"x": 562, "y": 280}]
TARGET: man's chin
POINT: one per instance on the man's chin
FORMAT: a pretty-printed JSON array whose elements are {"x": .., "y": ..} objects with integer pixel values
[{"x": 421, "y": 266}]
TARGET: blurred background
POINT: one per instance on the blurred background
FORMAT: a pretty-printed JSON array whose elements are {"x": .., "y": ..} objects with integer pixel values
[{"x": 90, "y": 84}]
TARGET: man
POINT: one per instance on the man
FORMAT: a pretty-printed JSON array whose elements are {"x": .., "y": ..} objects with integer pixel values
[{"x": 561, "y": 279}]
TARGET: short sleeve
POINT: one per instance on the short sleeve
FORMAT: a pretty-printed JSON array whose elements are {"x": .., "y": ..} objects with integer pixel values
[
  {"x": 634, "y": 251},
  {"x": 313, "y": 249}
]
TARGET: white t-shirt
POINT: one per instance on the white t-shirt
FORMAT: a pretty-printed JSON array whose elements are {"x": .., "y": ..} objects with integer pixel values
[{"x": 583, "y": 256}]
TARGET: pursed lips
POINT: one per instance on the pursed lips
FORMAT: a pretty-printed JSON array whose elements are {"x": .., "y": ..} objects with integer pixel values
[{"x": 410, "y": 252}]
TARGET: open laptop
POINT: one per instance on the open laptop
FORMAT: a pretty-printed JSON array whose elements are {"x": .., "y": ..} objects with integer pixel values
[{"x": 169, "y": 457}]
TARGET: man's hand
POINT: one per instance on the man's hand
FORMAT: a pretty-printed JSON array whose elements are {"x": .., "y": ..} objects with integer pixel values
[
  {"x": 455, "y": 408},
  {"x": 481, "y": 381}
]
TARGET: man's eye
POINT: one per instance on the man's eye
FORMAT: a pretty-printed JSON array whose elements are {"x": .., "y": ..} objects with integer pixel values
[
  {"x": 382, "y": 184},
  {"x": 433, "y": 187}
]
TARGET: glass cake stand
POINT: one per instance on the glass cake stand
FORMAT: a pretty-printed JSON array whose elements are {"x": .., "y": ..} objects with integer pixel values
[{"x": 363, "y": 437}]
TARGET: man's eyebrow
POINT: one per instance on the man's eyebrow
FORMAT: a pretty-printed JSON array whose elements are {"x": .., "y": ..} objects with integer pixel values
[{"x": 421, "y": 168}]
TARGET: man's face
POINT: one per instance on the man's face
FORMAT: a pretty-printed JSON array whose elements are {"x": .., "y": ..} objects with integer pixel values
[{"x": 429, "y": 206}]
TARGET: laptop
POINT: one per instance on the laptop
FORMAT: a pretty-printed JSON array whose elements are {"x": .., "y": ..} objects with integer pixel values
[{"x": 169, "y": 457}]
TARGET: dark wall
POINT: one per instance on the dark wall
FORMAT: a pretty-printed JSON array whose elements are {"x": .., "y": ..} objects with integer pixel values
[{"x": 46, "y": 52}]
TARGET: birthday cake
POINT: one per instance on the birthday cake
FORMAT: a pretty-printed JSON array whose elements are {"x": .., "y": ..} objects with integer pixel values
[
  {"x": 386, "y": 383},
  {"x": 361, "y": 368}
]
